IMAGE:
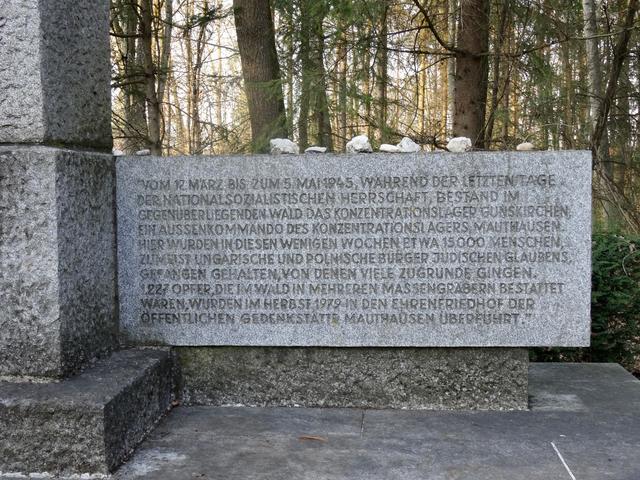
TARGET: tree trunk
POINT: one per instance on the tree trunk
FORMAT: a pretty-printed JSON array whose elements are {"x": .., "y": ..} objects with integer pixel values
[
  {"x": 421, "y": 95},
  {"x": 153, "y": 106},
  {"x": 594, "y": 74},
  {"x": 305, "y": 75},
  {"x": 125, "y": 22},
  {"x": 366, "y": 85},
  {"x": 594, "y": 68},
  {"x": 168, "y": 121},
  {"x": 507, "y": 110},
  {"x": 471, "y": 71},
  {"x": 382, "y": 77},
  {"x": 165, "y": 54},
  {"x": 196, "y": 128},
  {"x": 567, "y": 95},
  {"x": 290, "y": 71},
  {"x": 495, "y": 83},
  {"x": 323, "y": 120},
  {"x": 452, "y": 22},
  {"x": 623, "y": 137},
  {"x": 342, "y": 85},
  {"x": 190, "y": 77},
  {"x": 260, "y": 71},
  {"x": 181, "y": 144},
  {"x": 220, "y": 71}
]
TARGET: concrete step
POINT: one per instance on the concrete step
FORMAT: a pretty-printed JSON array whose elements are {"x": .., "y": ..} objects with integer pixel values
[{"x": 87, "y": 424}]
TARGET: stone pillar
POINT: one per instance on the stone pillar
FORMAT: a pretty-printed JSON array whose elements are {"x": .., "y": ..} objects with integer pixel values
[
  {"x": 55, "y": 73},
  {"x": 58, "y": 300},
  {"x": 57, "y": 233}
]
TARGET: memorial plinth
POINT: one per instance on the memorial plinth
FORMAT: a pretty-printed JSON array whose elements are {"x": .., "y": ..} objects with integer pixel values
[{"x": 271, "y": 266}]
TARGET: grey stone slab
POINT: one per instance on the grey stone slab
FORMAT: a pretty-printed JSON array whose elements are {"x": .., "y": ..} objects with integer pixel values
[
  {"x": 475, "y": 249},
  {"x": 87, "y": 424},
  {"x": 591, "y": 383},
  {"x": 597, "y": 444},
  {"x": 410, "y": 378},
  {"x": 249, "y": 422},
  {"x": 58, "y": 305},
  {"x": 55, "y": 72}
]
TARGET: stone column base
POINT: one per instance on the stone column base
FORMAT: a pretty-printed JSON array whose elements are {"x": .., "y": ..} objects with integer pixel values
[{"x": 57, "y": 260}]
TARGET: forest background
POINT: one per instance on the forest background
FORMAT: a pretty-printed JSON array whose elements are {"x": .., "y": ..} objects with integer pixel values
[{"x": 197, "y": 77}]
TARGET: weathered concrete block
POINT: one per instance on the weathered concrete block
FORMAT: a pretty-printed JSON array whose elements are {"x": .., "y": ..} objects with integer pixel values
[
  {"x": 57, "y": 260},
  {"x": 55, "y": 72},
  {"x": 411, "y": 378},
  {"x": 87, "y": 424}
]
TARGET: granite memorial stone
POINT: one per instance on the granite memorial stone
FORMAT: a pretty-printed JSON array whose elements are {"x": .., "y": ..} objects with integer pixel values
[{"x": 446, "y": 250}]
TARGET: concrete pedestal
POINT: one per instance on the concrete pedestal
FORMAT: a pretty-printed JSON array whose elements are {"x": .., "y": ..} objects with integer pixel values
[{"x": 405, "y": 378}]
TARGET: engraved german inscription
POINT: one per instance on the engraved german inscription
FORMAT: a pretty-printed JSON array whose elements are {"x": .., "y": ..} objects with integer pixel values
[{"x": 432, "y": 250}]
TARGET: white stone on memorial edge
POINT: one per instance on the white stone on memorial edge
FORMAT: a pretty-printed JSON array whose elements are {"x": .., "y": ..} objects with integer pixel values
[
  {"x": 385, "y": 147},
  {"x": 283, "y": 145},
  {"x": 143, "y": 153},
  {"x": 117, "y": 153},
  {"x": 359, "y": 144},
  {"x": 459, "y": 144},
  {"x": 315, "y": 149},
  {"x": 525, "y": 147},
  {"x": 407, "y": 145}
]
